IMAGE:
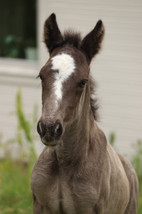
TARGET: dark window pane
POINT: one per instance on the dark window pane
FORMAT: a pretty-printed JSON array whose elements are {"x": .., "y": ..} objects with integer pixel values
[{"x": 18, "y": 28}]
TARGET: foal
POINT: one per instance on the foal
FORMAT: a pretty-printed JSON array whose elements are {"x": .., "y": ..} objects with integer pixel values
[{"x": 78, "y": 172}]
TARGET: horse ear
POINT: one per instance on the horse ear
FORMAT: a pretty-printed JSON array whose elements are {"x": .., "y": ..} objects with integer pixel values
[
  {"x": 52, "y": 34},
  {"x": 91, "y": 44}
]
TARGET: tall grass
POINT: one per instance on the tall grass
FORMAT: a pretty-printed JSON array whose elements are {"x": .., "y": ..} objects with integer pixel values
[
  {"x": 137, "y": 163},
  {"x": 25, "y": 129},
  {"x": 15, "y": 193},
  {"x": 25, "y": 134}
]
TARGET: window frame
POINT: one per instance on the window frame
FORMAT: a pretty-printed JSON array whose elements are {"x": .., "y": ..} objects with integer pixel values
[{"x": 18, "y": 67}]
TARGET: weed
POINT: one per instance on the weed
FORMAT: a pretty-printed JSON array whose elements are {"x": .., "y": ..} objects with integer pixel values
[
  {"x": 15, "y": 193},
  {"x": 25, "y": 134},
  {"x": 137, "y": 163}
]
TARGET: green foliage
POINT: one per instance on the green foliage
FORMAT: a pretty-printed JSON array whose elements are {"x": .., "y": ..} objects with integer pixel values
[
  {"x": 15, "y": 193},
  {"x": 18, "y": 27},
  {"x": 23, "y": 123},
  {"x": 112, "y": 138},
  {"x": 137, "y": 158},
  {"x": 25, "y": 134},
  {"x": 137, "y": 163}
]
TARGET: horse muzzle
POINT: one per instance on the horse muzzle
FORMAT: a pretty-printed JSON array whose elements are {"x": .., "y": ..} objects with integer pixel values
[{"x": 50, "y": 133}]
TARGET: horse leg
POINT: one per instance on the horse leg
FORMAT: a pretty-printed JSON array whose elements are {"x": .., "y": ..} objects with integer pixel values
[
  {"x": 133, "y": 200},
  {"x": 133, "y": 183},
  {"x": 37, "y": 208}
]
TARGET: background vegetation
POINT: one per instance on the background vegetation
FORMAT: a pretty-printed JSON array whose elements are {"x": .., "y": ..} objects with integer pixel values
[
  {"x": 15, "y": 193},
  {"x": 18, "y": 27}
]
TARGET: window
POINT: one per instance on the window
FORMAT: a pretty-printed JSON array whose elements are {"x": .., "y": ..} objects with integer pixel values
[{"x": 18, "y": 37}]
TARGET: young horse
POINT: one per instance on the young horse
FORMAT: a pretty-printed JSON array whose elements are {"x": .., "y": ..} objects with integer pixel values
[{"x": 78, "y": 172}]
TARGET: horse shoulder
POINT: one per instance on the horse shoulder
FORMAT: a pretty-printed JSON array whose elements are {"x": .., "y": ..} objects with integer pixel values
[
  {"x": 110, "y": 180},
  {"x": 98, "y": 163}
]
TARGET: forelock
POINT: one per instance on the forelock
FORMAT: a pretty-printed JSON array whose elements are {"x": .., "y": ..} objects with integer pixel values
[{"x": 72, "y": 38}]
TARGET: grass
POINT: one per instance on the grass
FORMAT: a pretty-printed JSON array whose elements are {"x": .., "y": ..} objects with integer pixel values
[
  {"x": 137, "y": 163},
  {"x": 140, "y": 197},
  {"x": 15, "y": 193}
]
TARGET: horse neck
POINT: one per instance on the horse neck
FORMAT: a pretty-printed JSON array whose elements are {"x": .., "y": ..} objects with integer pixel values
[{"x": 75, "y": 142}]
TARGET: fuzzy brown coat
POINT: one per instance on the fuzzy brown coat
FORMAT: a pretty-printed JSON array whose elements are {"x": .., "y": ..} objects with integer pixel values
[{"x": 82, "y": 174}]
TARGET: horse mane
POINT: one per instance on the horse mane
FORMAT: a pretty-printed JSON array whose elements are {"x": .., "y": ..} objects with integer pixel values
[
  {"x": 74, "y": 39},
  {"x": 93, "y": 99}
]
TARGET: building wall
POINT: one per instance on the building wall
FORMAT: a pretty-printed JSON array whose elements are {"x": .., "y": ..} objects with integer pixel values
[
  {"x": 31, "y": 95},
  {"x": 117, "y": 69}
]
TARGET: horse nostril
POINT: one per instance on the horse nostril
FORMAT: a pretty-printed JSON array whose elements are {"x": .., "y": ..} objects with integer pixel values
[
  {"x": 41, "y": 129},
  {"x": 58, "y": 129},
  {"x": 51, "y": 132}
]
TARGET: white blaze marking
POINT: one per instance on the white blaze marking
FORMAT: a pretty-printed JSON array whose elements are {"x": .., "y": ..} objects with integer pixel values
[{"x": 64, "y": 63}]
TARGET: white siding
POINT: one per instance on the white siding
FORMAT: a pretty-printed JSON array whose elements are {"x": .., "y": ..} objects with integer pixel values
[{"x": 31, "y": 95}]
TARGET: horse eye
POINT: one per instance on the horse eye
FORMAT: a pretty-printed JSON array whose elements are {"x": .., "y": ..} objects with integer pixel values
[
  {"x": 40, "y": 76},
  {"x": 82, "y": 83}
]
